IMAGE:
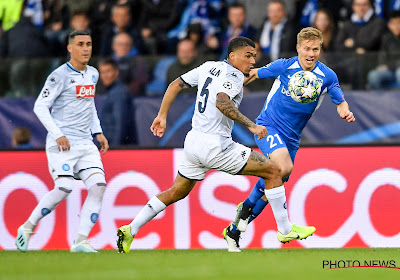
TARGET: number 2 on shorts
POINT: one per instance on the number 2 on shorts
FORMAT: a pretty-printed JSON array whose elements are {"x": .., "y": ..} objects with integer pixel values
[{"x": 270, "y": 139}]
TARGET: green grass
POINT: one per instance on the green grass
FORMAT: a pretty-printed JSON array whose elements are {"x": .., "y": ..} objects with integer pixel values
[{"x": 288, "y": 264}]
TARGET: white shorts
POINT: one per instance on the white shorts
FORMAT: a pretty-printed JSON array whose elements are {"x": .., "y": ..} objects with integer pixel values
[
  {"x": 203, "y": 152},
  {"x": 70, "y": 163}
]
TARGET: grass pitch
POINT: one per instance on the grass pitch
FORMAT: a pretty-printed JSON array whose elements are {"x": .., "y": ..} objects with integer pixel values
[{"x": 290, "y": 264}]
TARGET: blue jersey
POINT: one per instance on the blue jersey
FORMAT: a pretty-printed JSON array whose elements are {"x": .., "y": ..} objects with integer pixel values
[{"x": 280, "y": 110}]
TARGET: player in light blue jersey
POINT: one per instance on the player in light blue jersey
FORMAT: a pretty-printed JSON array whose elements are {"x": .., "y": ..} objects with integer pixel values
[{"x": 285, "y": 119}]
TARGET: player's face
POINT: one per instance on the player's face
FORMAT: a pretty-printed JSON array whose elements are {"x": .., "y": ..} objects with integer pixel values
[
  {"x": 81, "y": 49},
  {"x": 308, "y": 52},
  {"x": 243, "y": 59}
]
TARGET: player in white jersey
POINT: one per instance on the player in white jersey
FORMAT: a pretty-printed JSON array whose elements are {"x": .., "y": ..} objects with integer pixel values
[
  {"x": 70, "y": 150},
  {"x": 209, "y": 144}
]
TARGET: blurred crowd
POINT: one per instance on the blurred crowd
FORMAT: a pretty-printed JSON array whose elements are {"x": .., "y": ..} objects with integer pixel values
[{"x": 148, "y": 43}]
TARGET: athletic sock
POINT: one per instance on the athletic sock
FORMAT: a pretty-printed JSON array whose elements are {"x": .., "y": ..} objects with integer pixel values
[
  {"x": 149, "y": 211},
  {"x": 233, "y": 229},
  {"x": 45, "y": 206},
  {"x": 260, "y": 205},
  {"x": 90, "y": 210},
  {"x": 257, "y": 192},
  {"x": 277, "y": 200}
]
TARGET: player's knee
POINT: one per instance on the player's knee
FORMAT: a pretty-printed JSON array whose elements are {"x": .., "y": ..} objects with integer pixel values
[
  {"x": 287, "y": 170},
  {"x": 64, "y": 185}
]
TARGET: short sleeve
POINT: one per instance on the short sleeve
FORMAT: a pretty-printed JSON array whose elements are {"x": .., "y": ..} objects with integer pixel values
[
  {"x": 191, "y": 78},
  {"x": 230, "y": 87}
]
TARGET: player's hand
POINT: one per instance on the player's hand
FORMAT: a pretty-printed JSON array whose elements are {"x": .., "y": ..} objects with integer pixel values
[
  {"x": 158, "y": 126},
  {"x": 103, "y": 143},
  {"x": 347, "y": 115},
  {"x": 253, "y": 75},
  {"x": 260, "y": 130},
  {"x": 63, "y": 144}
]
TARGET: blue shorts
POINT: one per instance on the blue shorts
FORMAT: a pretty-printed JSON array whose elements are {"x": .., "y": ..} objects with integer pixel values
[{"x": 276, "y": 140}]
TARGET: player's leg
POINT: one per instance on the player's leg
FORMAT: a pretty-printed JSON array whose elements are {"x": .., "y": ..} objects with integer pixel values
[
  {"x": 89, "y": 168},
  {"x": 179, "y": 190},
  {"x": 275, "y": 144},
  {"x": 63, "y": 187},
  {"x": 95, "y": 183},
  {"x": 60, "y": 169},
  {"x": 190, "y": 171}
]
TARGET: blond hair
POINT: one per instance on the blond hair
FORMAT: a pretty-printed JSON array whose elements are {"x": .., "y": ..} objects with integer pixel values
[{"x": 309, "y": 34}]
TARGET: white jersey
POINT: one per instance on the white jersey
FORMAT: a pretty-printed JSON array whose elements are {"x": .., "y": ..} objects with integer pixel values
[
  {"x": 70, "y": 95},
  {"x": 214, "y": 77}
]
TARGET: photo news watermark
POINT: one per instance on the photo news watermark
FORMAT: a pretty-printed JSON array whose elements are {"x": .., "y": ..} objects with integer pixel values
[{"x": 335, "y": 264}]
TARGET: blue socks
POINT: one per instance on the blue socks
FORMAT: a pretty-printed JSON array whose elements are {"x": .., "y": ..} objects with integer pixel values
[
  {"x": 260, "y": 205},
  {"x": 256, "y": 193},
  {"x": 254, "y": 202}
]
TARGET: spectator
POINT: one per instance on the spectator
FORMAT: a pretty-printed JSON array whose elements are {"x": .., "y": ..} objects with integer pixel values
[
  {"x": 156, "y": 18},
  {"x": 133, "y": 71},
  {"x": 26, "y": 44},
  {"x": 278, "y": 35},
  {"x": 257, "y": 10},
  {"x": 205, "y": 12},
  {"x": 10, "y": 13},
  {"x": 238, "y": 26},
  {"x": 363, "y": 32},
  {"x": 324, "y": 22},
  {"x": 59, "y": 38},
  {"x": 387, "y": 74},
  {"x": 203, "y": 47},
  {"x": 116, "y": 114},
  {"x": 120, "y": 22},
  {"x": 187, "y": 60},
  {"x": 21, "y": 138}
]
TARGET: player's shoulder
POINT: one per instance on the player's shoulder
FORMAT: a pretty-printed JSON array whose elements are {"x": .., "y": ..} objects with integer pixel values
[
  {"x": 92, "y": 69},
  {"x": 233, "y": 74},
  {"x": 58, "y": 74},
  {"x": 324, "y": 70},
  {"x": 284, "y": 63}
]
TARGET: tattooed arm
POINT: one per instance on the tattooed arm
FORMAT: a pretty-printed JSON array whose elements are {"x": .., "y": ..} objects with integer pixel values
[
  {"x": 160, "y": 122},
  {"x": 226, "y": 106}
]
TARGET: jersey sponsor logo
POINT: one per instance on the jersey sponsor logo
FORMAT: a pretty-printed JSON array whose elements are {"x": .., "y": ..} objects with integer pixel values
[
  {"x": 45, "y": 93},
  {"x": 285, "y": 91},
  {"x": 85, "y": 91},
  {"x": 227, "y": 85}
]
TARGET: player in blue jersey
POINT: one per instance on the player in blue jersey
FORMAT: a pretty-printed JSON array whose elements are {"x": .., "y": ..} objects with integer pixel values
[{"x": 285, "y": 119}]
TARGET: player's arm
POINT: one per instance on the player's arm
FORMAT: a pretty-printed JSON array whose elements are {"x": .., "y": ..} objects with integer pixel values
[
  {"x": 160, "y": 122},
  {"x": 50, "y": 91},
  {"x": 95, "y": 128},
  {"x": 270, "y": 71},
  {"x": 226, "y": 106},
  {"x": 344, "y": 112}
]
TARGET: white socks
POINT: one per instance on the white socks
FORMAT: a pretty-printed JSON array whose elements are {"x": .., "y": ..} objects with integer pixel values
[
  {"x": 277, "y": 200},
  {"x": 62, "y": 189},
  {"x": 149, "y": 211},
  {"x": 91, "y": 210}
]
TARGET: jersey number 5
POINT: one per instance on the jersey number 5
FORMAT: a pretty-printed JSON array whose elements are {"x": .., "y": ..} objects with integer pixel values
[{"x": 204, "y": 92}]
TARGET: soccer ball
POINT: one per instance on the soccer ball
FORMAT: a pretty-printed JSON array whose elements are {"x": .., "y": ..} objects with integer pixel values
[{"x": 304, "y": 87}]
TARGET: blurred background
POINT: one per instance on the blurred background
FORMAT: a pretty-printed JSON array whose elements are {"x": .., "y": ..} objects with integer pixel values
[{"x": 140, "y": 46}]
